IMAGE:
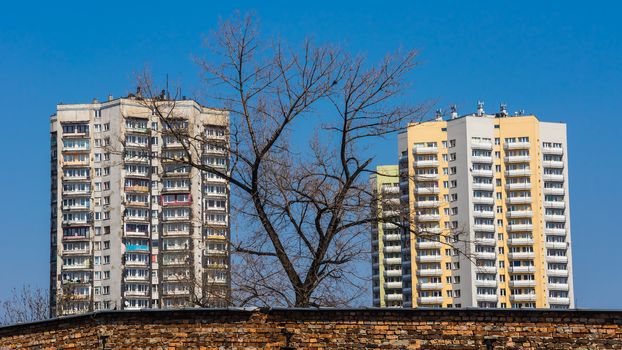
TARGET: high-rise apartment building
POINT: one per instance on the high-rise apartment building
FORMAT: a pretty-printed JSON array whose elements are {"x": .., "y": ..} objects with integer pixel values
[
  {"x": 131, "y": 227},
  {"x": 386, "y": 238},
  {"x": 488, "y": 204}
]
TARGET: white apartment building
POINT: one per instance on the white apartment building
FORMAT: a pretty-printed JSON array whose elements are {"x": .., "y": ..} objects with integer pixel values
[{"x": 132, "y": 228}]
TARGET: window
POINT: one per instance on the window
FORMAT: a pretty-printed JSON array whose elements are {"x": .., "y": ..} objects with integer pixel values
[
  {"x": 452, "y": 143},
  {"x": 106, "y": 259},
  {"x": 106, "y": 244}
]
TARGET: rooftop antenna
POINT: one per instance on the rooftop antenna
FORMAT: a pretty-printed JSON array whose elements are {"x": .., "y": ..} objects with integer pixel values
[
  {"x": 480, "y": 108},
  {"x": 454, "y": 111},
  {"x": 503, "y": 110},
  {"x": 521, "y": 112},
  {"x": 439, "y": 115}
]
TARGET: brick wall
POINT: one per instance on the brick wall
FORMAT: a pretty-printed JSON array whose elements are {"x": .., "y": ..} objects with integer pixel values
[{"x": 322, "y": 329}]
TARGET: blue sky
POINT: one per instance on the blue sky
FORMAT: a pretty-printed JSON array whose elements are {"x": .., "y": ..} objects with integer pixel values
[{"x": 559, "y": 60}]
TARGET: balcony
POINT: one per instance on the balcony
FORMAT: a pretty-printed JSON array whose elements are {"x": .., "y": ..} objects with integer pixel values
[
  {"x": 175, "y": 218},
  {"x": 553, "y": 177},
  {"x": 518, "y": 172},
  {"x": 517, "y": 145},
  {"x": 486, "y": 269},
  {"x": 429, "y": 272},
  {"x": 425, "y": 163},
  {"x": 76, "y": 163},
  {"x": 427, "y": 190},
  {"x": 392, "y": 273},
  {"x": 483, "y": 200},
  {"x": 136, "y": 293},
  {"x": 481, "y": 159},
  {"x": 430, "y": 286},
  {"x": 486, "y": 283},
  {"x": 558, "y": 286},
  {"x": 72, "y": 252},
  {"x": 522, "y": 269},
  {"x": 429, "y": 245},
  {"x": 556, "y": 259},
  {"x": 427, "y": 177},
  {"x": 559, "y": 300},
  {"x": 482, "y": 173},
  {"x": 485, "y": 255},
  {"x": 76, "y": 192},
  {"x": 391, "y": 189},
  {"x": 557, "y": 205},
  {"x": 392, "y": 201},
  {"x": 484, "y": 214},
  {"x": 554, "y": 191},
  {"x": 523, "y": 283},
  {"x": 429, "y": 230},
  {"x": 175, "y": 292},
  {"x": 518, "y": 186},
  {"x": 83, "y": 266},
  {"x": 136, "y": 278},
  {"x": 557, "y": 273},
  {"x": 389, "y": 225},
  {"x": 393, "y": 297},
  {"x": 428, "y": 258},
  {"x": 429, "y": 300},
  {"x": 392, "y": 237},
  {"x": 551, "y": 150},
  {"x": 486, "y": 241},
  {"x": 393, "y": 261},
  {"x": 557, "y": 164},
  {"x": 137, "y": 188},
  {"x": 555, "y": 231},
  {"x": 428, "y": 217},
  {"x": 176, "y": 189},
  {"x": 519, "y": 214},
  {"x": 136, "y": 233},
  {"x": 130, "y": 218},
  {"x": 77, "y": 207},
  {"x": 520, "y": 227},
  {"x": 484, "y": 227},
  {"x": 393, "y": 285},
  {"x": 492, "y": 298},
  {"x": 520, "y": 241},
  {"x": 390, "y": 213},
  {"x": 483, "y": 186},
  {"x": 485, "y": 145},
  {"x": 425, "y": 150},
  {"x": 521, "y": 255},
  {"x": 427, "y": 204},
  {"x": 136, "y": 248},
  {"x": 393, "y": 249},
  {"x": 523, "y": 297},
  {"x": 518, "y": 200},
  {"x": 555, "y": 218},
  {"x": 517, "y": 159},
  {"x": 556, "y": 245}
]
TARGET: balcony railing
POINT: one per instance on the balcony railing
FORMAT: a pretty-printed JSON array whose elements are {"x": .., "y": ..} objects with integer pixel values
[
  {"x": 557, "y": 205},
  {"x": 392, "y": 273},
  {"x": 554, "y": 191},
  {"x": 487, "y": 297},
  {"x": 481, "y": 159},
  {"x": 557, "y": 164},
  {"x": 518, "y": 200},
  {"x": 486, "y": 283},
  {"x": 393, "y": 261},
  {"x": 485, "y": 255},
  {"x": 517, "y": 159},
  {"x": 522, "y": 269},
  {"x": 393, "y": 249},
  {"x": 425, "y": 163},
  {"x": 558, "y": 286},
  {"x": 553, "y": 177},
  {"x": 486, "y": 269},
  {"x": 519, "y": 214},
  {"x": 523, "y": 297},
  {"x": 555, "y": 218},
  {"x": 429, "y": 245},
  {"x": 428, "y": 217},
  {"x": 517, "y": 145},
  {"x": 555, "y": 231},
  {"x": 430, "y": 286},
  {"x": 482, "y": 173},
  {"x": 486, "y": 241},
  {"x": 429, "y": 300},
  {"x": 428, "y": 258},
  {"x": 520, "y": 241},
  {"x": 427, "y": 204},
  {"x": 551, "y": 150},
  {"x": 484, "y": 214},
  {"x": 518, "y": 172},
  {"x": 429, "y": 272},
  {"x": 137, "y": 188},
  {"x": 521, "y": 255},
  {"x": 518, "y": 186},
  {"x": 426, "y": 177},
  {"x": 556, "y": 245},
  {"x": 559, "y": 300},
  {"x": 483, "y": 186},
  {"x": 425, "y": 150},
  {"x": 520, "y": 227},
  {"x": 393, "y": 297},
  {"x": 557, "y": 273},
  {"x": 427, "y": 190},
  {"x": 483, "y": 200},
  {"x": 393, "y": 285},
  {"x": 523, "y": 283},
  {"x": 485, "y": 145},
  {"x": 556, "y": 259},
  {"x": 484, "y": 227}
]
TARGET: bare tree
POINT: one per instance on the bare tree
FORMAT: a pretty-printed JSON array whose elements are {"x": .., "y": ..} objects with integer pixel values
[
  {"x": 26, "y": 304},
  {"x": 305, "y": 208}
]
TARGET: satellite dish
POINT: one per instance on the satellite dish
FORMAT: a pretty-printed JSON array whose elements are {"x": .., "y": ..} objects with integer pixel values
[{"x": 126, "y": 303}]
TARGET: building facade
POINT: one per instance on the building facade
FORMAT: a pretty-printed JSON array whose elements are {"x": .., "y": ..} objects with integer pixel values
[
  {"x": 386, "y": 238},
  {"x": 132, "y": 228},
  {"x": 488, "y": 203}
]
